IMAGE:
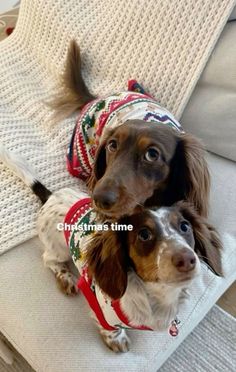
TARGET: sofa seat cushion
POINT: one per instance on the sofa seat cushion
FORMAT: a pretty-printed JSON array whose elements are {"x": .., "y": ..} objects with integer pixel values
[{"x": 211, "y": 111}]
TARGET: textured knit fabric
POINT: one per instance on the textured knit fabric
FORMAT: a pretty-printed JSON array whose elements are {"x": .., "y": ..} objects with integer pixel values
[
  {"x": 110, "y": 112},
  {"x": 162, "y": 44}
]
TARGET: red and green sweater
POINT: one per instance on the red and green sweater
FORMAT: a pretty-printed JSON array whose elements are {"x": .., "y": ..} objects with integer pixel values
[
  {"x": 109, "y": 312},
  {"x": 110, "y": 112}
]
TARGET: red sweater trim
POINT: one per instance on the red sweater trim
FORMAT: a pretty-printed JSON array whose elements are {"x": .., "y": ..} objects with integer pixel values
[
  {"x": 123, "y": 317},
  {"x": 93, "y": 303},
  {"x": 69, "y": 216}
]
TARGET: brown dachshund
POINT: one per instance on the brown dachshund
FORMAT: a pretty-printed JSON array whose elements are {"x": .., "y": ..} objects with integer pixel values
[
  {"x": 152, "y": 165},
  {"x": 136, "y": 162}
]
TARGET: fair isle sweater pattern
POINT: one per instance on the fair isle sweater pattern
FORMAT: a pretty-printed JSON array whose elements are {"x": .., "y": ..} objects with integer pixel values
[
  {"x": 111, "y": 112},
  {"x": 108, "y": 312}
]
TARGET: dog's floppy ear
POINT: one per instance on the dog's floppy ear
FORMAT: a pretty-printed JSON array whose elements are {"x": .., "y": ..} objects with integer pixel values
[
  {"x": 99, "y": 167},
  {"x": 208, "y": 245},
  {"x": 189, "y": 176},
  {"x": 100, "y": 163},
  {"x": 106, "y": 262}
]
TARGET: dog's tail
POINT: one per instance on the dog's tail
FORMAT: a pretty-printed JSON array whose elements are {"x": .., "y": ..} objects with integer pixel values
[
  {"x": 19, "y": 166},
  {"x": 74, "y": 93}
]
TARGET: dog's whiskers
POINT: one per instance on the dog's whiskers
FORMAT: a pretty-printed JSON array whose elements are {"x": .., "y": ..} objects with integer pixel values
[{"x": 141, "y": 205}]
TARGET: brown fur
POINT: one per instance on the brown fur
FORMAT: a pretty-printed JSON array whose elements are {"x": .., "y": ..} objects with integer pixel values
[
  {"x": 106, "y": 261},
  {"x": 145, "y": 266},
  {"x": 207, "y": 242},
  {"x": 189, "y": 177},
  {"x": 74, "y": 92}
]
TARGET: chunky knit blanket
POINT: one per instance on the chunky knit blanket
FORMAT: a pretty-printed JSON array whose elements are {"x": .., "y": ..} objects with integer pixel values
[{"x": 162, "y": 44}]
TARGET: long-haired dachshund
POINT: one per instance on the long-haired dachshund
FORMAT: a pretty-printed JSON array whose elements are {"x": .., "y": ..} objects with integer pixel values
[
  {"x": 150, "y": 268},
  {"x": 131, "y": 279},
  {"x": 130, "y": 149}
]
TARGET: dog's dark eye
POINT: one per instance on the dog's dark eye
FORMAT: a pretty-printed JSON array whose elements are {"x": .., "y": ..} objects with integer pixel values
[
  {"x": 112, "y": 146},
  {"x": 152, "y": 154},
  {"x": 184, "y": 226},
  {"x": 144, "y": 234}
]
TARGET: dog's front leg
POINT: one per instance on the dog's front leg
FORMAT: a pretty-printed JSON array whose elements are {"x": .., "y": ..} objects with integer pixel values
[
  {"x": 66, "y": 280},
  {"x": 116, "y": 340},
  {"x": 56, "y": 257},
  {"x": 56, "y": 254}
]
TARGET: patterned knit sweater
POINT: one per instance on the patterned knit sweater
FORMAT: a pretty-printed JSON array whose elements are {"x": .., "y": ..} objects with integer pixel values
[
  {"x": 109, "y": 312},
  {"x": 110, "y": 112}
]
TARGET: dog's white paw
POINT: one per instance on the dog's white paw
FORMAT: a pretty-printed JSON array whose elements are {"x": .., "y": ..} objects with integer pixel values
[
  {"x": 67, "y": 282},
  {"x": 117, "y": 340}
]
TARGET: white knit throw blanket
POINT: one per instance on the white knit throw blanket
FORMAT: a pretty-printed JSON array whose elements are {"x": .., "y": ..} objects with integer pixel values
[{"x": 162, "y": 44}]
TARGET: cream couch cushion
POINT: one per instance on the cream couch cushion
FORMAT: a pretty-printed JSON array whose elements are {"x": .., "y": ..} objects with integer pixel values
[{"x": 211, "y": 112}]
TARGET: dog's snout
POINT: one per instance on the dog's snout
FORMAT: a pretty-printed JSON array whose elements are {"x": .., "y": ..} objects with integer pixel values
[
  {"x": 105, "y": 199},
  {"x": 184, "y": 260}
]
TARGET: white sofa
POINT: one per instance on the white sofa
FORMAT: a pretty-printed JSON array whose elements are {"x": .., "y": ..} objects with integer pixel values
[{"x": 54, "y": 333}]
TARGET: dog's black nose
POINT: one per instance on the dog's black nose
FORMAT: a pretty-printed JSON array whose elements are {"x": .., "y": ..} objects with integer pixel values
[
  {"x": 184, "y": 260},
  {"x": 105, "y": 199}
]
